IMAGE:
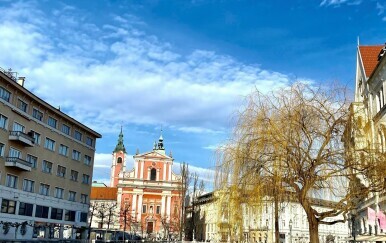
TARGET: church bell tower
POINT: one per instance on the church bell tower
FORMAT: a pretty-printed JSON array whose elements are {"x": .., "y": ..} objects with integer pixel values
[{"x": 119, "y": 161}]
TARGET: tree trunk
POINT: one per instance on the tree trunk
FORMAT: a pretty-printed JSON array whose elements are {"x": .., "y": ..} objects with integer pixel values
[
  {"x": 313, "y": 226},
  {"x": 277, "y": 230}
]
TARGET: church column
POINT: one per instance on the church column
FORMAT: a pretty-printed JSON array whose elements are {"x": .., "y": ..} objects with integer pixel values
[
  {"x": 134, "y": 206},
  {"x": 119, "y": 201},
  {"x": 136, "y": 169},
  {"x": 157, "y": 175},
  {"x": 164, "y": 175},
  {"x": 163, "y": 206},
  {"x": 168, "y": 206},
  {"x": 142, "y": 166},
  {"x": 170, "y": 171},
  {"x": 148, "y": 174},
  {"x": 139, "y": 208}
]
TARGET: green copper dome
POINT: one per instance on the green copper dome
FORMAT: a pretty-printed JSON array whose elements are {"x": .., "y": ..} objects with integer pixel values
[{"x": 120, "y": 146}]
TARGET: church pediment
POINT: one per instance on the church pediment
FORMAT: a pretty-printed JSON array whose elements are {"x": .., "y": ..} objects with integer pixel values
[{"x": 152, "y": 155}]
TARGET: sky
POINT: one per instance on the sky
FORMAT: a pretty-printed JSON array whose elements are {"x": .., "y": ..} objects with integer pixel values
[{"x": 181, "y": 66}]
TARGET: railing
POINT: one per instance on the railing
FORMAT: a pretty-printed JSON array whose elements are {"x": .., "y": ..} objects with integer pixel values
[
  {"x": 8, "y": 73},
  {"x": 23, "y": 135},
  {"x": 18, "y": 160}
]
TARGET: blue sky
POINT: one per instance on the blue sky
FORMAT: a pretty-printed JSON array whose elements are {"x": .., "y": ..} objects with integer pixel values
[{"x": 185, "y": 66}]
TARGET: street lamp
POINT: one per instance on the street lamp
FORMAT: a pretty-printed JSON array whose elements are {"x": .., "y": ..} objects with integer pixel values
[
  {"x": 353, "y": 228},
  {"x": 266, "y": 226},
  {"x": 290, "y": 228}
]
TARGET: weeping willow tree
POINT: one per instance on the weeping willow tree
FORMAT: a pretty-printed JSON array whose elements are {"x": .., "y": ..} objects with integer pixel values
[{"x": 290, "y": 145}]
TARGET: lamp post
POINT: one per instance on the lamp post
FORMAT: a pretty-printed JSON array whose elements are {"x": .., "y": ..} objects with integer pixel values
[
  {"x": 353, "y": 228},
  {"x": 266, "y": 226},
  {"x": 290, "y": 228}
]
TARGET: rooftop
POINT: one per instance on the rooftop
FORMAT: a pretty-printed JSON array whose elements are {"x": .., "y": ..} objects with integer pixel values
[
  {"x": 369, "y": 55},
  {"x": 103, "y": 193}
]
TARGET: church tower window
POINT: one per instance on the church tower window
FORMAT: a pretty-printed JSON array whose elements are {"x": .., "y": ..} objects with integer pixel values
[
  {"x": 153, "y": 174},
  {"x": 119, "y": 160}
]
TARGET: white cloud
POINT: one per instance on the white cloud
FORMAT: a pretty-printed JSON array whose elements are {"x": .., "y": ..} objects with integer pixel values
[
  {"x": 381, "y": 8},
  {"x": 103, "y": 75},
  {"x": 339, "y": 2}
]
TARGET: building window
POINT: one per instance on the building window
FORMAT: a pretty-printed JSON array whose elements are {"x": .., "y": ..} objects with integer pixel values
[
  {"x": 41, "y": 212},
  {"x": 44, "y": 189},
  {"x": 14, "y": 153},
  {"x": 85, "y": 179},
  {"x": 37, "y": 114},
  {"x": 25, "y": 209},
  {"x": 2, "y": 148},
  {"x": 78, "y": 136},
  {"x": 83, "y": 198},
  {"x": 63, "y": 150},
  {"x": 75, "y": 155},
  {"x": 52, "y": 122},
  {"x": 119, "y": 161},
  {"x": 59, "y": 192},
  {"x": 65, "y": 129},
  {"x": 36, "y": 137},
  {"x": 17, "y": 127},
  {"x": 158, "y": 209},
  {"x": 87, "y": 160},
  {"x": 22, "y": 105},
  {"x": 83, "y": 217},
  {"x": 74, "y": 175},
  {"x": 11, "y": 181},
  {"x": 3, "y": 122},
  {"x": 61, "y": 171},
  {"x": 71, "y": 196},
  {"x": 47, "y": 166},
  {"x": 49, "y": 144},
  {"x": 5, "y": 94},
  {"x": 56, "y": 213},
  {"x": 89, "y": 141},
  {"x": 69, "y": 216},
  {"x": 144, "y": 208},
  {"x": 28, "y": 185},
  {"x": 153, "y": 174},
  {"x": 8, "y": 206}
]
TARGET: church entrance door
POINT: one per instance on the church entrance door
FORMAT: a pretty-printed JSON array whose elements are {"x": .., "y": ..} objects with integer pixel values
[{"x": 149, "y": 227}]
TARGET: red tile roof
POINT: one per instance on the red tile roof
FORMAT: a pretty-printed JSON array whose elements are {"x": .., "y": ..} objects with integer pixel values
[
  {"x": 103, "y": 193},
  {"x": 369, "y": 55}
]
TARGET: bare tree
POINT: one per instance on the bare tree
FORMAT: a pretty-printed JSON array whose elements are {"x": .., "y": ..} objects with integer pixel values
[
  {"x": 111, "y": 209},
  {"x": 294, "y": 140},
  {"x": 183, "y": 189},
  {"x": 101, "y": 213},
  {"x": 197, "y": 190},
  {"x": 125, "y": 216},
  {"x": 92, "y": 211}
]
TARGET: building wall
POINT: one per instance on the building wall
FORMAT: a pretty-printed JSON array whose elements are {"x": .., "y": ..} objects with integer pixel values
[
  {"x": 154, "y": 203},
  {"x": 368, "y": 127},
  {"x": 258, "y": 224},
  {"x": 84, "y": 145}
]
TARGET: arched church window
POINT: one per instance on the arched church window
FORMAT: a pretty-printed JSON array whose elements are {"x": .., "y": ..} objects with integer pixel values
[
  {"x": 153, "y": 174},
  {"x": 119, "y": 160}
]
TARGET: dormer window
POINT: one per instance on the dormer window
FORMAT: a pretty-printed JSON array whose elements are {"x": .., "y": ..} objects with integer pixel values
[{"x": 153, "y": 174}]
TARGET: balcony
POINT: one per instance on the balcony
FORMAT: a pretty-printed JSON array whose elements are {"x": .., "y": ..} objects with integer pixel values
[
  {"x": 18, "y": 163},
  {"x": 22, "y": 138}
]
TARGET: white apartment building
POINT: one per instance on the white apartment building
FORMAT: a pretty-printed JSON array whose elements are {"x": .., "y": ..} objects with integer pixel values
[{"x": 258, "y": 223}]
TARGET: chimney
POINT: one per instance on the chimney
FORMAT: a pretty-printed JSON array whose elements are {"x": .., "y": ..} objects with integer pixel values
[{"x": 20, "y": 81}]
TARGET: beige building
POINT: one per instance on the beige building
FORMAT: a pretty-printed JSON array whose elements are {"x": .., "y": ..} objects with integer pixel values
[
  {"x": 46, "y": 166},
  {"x": 212, "y": 223},
  {"x": 368, "y": 130}
]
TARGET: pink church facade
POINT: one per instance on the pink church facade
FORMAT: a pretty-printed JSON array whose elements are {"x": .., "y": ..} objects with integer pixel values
[{"x": 149, "y": 195}]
